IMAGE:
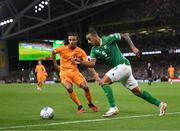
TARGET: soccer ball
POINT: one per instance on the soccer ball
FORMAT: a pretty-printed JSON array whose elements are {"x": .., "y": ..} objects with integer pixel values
[{"x": 47, "y": 113}]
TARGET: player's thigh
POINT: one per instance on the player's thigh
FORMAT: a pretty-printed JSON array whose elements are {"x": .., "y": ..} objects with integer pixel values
[
  {"x": 105, "y": 80},
  {"x": 66, "y": 78},
  {"x": 119, "y": 72},
  {"x": 68, "y": 85},
  {"x": 79, "y": 79},
  {"x": 130, "y": 82}
]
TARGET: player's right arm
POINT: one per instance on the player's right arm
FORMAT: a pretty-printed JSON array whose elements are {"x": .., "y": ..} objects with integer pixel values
[
  {"x": 54, "y": 52},
  {"x": 131, "y": 44},
  {"x": 36, "y": 69},
  {"x": 117, "y": 37}
]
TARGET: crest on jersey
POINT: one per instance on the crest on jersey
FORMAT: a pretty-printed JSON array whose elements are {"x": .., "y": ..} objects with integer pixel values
[{"x": 105, "y": 46}]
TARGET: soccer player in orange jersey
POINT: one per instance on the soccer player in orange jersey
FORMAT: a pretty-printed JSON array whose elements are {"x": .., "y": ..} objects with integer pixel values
[
  {"x": 171, "y": 73},
  {"x": 41, "y": 75},
  {"x": 69, "y": 72}
]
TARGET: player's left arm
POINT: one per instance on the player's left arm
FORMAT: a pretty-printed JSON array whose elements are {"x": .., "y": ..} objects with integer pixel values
[
  {"x": 89, "y": 64},
  {"x": 131, "y": 44},
  {"x": 44, "y": 69},
  {"x": 84, "y": 61}
]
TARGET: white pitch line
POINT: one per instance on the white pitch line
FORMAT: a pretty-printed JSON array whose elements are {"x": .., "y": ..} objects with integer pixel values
[{"x": 86, "y": 121}]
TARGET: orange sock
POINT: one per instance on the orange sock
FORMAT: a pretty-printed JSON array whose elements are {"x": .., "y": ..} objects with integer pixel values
[
  {"x": 88, "y": 96},
  {"x": 75, "y": 98}
]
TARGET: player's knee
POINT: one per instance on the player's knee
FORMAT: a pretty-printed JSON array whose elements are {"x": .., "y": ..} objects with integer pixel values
[
  {"x": 136, "y": 91},
  {"x": 70, "y": 90},
  {"x": 86, "y": 89},
  {"x": 102, "y": 82},
  {"x": 84, "y": 86}
]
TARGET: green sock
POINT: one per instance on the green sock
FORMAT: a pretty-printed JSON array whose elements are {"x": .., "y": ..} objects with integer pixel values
[
  {"x": 148, "y": 97},
  {"x": 109, "y": 94}
]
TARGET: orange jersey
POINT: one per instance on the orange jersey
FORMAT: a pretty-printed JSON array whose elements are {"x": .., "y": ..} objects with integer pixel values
[
  {"x": 40, "y": 69},
  {"x": 171, "y": 72},
  {"x": 67, "y": 54}
]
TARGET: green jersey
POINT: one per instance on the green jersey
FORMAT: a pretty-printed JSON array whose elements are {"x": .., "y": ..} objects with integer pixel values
[
  {"x": 31, "y": 75},
  {"x": 109, "y": 51}
]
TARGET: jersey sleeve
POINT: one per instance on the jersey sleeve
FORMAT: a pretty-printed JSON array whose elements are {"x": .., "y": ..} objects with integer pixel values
[
  {"x": 93, "y": 54},
  {"x": 58, "y": 49},
  {"x": 115, "y": 37}
]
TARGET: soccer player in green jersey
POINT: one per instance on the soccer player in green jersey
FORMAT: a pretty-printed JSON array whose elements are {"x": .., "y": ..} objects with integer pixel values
[
  {"x": 32, "y": 76},
  {"x": 106, "y": 48}
]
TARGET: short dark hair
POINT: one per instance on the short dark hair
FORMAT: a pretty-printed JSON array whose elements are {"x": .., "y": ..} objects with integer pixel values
[
  {"x": 72, "y": 34},
  {"x": 92, "y": 31}
]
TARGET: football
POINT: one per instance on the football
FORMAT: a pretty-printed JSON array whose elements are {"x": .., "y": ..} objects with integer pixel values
[{"x": 47, "y": 113}]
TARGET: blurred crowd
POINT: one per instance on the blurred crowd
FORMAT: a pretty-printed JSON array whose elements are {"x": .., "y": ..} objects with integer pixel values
[
  {"x": 159, "y": 67},
  {"x": 166, "y": 44},
  {"x": 143, "y": 9}
]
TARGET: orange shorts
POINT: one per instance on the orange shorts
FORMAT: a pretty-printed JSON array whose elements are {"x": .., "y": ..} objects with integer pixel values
[
  {"x": 45, "y": 75},
  {"x": 171, "y": 77},
  {"x": 40, "y": 77},
  {"x": 72, "y": 77}
]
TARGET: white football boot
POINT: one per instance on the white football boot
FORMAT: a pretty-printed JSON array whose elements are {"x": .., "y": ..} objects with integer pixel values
[
  {"x": 162, "y": 108},
  {"x": 112, "y": 111}
]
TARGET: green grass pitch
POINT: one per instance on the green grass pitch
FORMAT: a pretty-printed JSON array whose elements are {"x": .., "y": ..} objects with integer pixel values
[{"x": 20, "y": 105}]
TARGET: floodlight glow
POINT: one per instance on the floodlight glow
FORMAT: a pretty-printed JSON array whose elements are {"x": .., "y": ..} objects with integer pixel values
[
  {"x": 41, "y": 5},
  {"x": 6, "y": 22},
  {"x": 11, "y": 20},
  {"x": 46, "y": 3}
]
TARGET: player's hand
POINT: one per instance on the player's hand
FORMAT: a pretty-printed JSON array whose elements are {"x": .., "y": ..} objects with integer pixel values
[
  {"x": 76, "y": 60},
  {"x": 136, "y": 52}
]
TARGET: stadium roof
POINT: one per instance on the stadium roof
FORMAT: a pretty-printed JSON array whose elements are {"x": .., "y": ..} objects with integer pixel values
[
  {"x": 42, "y": 18},
  {"x": 27, "y": 18}
]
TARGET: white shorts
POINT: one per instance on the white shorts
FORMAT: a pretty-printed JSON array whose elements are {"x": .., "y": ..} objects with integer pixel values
[
  {"x": 123, "y": 73},
  {"x": 31, "y": 79}
]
